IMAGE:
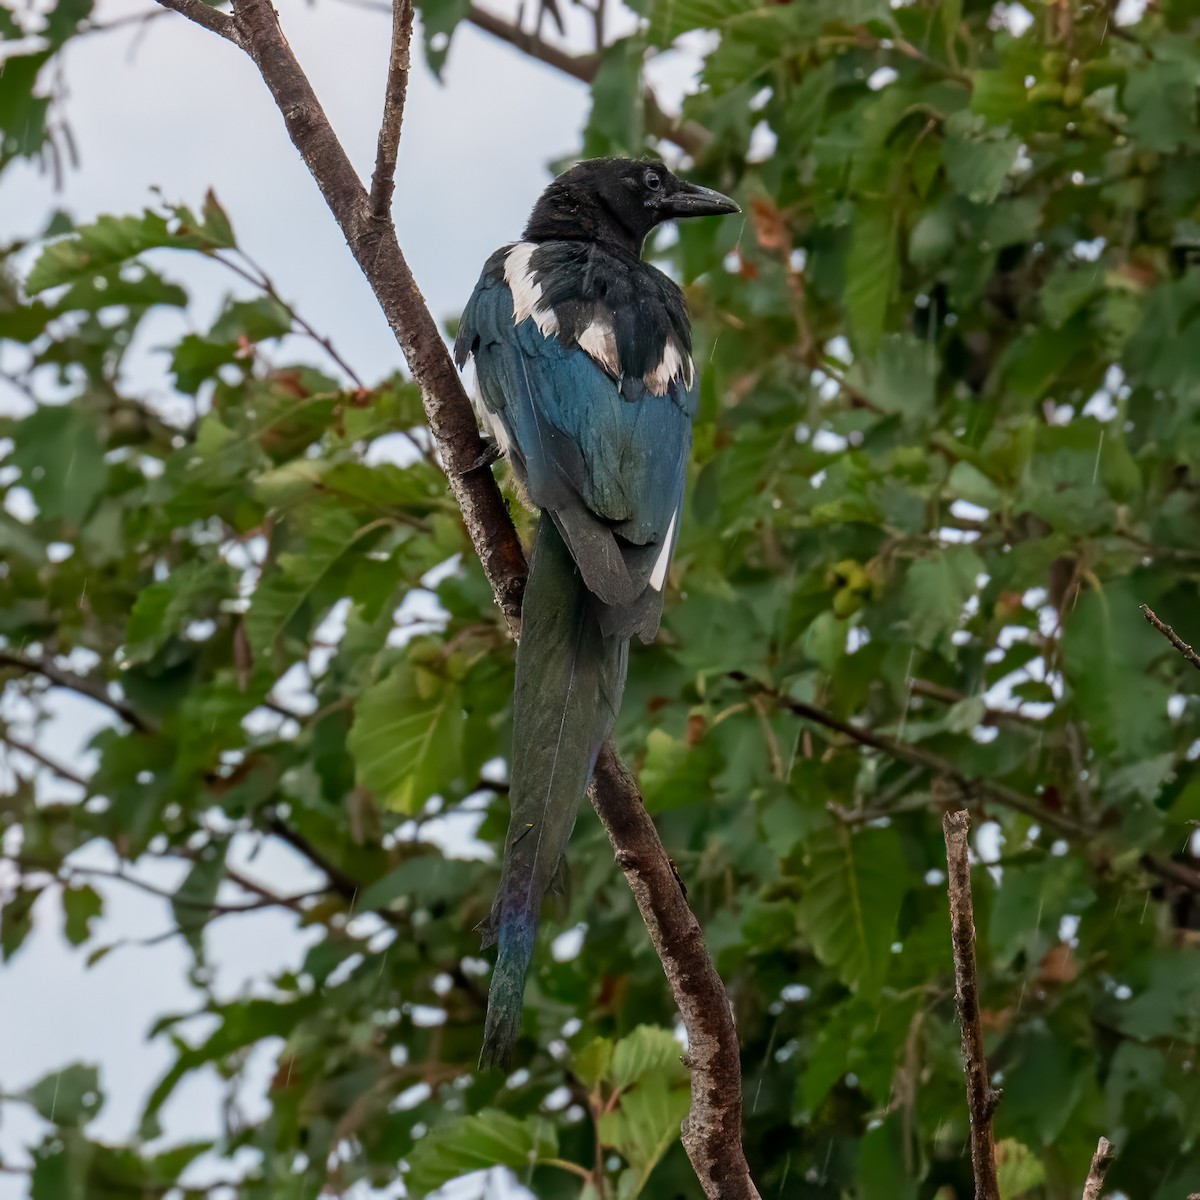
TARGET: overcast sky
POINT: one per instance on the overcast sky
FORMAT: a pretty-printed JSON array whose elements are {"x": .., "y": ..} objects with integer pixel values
[{"x": 172, "y": 107}]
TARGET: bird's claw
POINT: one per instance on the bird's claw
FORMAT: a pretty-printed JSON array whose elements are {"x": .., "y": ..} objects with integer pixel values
[{"x": 491, "y": 453}]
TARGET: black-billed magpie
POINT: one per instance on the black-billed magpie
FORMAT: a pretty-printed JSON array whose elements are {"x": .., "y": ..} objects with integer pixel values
[{"x": 582, "y": 355}]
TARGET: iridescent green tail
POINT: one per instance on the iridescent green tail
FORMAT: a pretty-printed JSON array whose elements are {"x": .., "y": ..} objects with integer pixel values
[{"x": 570, "y": 677}]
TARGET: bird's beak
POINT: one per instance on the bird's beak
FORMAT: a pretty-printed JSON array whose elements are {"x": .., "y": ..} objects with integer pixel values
[{"x": 692, "y": 200}]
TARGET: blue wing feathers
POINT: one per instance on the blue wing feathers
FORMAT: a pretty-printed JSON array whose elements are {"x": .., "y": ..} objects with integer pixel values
[{"x": 607, "y": 459}]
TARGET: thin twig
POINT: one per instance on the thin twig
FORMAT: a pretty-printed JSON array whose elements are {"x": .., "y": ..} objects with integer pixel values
[
  {"x": 204, "y": 14},
  {"x": 712, "y": 1133},
  {"x": 55, "y": 768},
  {"x": 982, "y": 1098},
  {"x": 971, "y": 787},
  {"x": 70, "y": 872},
  {"x": 94, "y": 689},
  {"x": 691, "y": 137},
  {"x": 1101, "y": 1161},
  {"x": 1188, "y": 653},
  {"x": 383, "y": 182},
  {"x": 255, "y": 275}
]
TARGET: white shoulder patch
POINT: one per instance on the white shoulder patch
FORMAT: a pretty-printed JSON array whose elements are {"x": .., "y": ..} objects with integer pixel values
[
  {"x": 658, "y": 577},
  {"x": 599, "y": 339},
  {"x": 526, "y": 291},
  {"x": 674, "y": 364}
]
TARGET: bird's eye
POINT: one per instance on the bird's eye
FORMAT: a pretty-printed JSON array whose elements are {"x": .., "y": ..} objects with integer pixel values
[{"x": 653, "y": 180}]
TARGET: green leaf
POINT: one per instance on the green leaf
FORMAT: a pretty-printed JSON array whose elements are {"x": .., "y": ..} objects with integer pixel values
[
  {"x": 80, "y": 906},
  {"x": 67, "y": 1097},
  {"x": 1017, "y": 1169},
  {"x": 644, "y": 1125},
  {"x": 903, "y": 377},
  {"x": 870, "y": 272},
  {"x": 426, "y": 880},
  {"x": 193, "y": 900},
  {"x": 110, "y": 241},
  {"x": 22, "y": 110},
  {"x": 977, "y": 161},
  {"x": 676, "y": 772},
  {"x": 1029, "y": 903},
  {"x": 647, "y": 1050},
  {"x": 1108, "y": 653},
  {"x": 439, "y": 20},
  {"x": 591, "y": 1064},
  {"x": 935, "y": 592},
  {"x": 488, "y": 1139},
  {"x": 61, "y": 462},
  {"x": 190, "y": 592},
  {"x": 407, "y": 736},
  {"x": 851, "y": 901},
  {"x": 332, "y": 533}
]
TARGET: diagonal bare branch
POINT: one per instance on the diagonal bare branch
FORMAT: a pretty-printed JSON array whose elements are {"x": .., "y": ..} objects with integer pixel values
[
  {"x": 83, "y": 685},
  {"x": 383, "y": 181}
]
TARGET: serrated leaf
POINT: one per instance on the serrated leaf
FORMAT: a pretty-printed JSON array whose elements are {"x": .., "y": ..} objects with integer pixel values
[
  {"x": 406, "y": 739},
  {"x": 643, "y": 1127},
  {"x": 1108, "y": 657},
  {"x": 109, "y": 241},
  {"x": 936, "y": 590},
  {"x": 648, "y": 1050},
  {"x": 852, "y": 899},
  {"x": 488, "y": 1139},
  {"x": 332, "y": 533},
  {"x": 977, "y": 161},
  {"x": 190, "y": 591}
]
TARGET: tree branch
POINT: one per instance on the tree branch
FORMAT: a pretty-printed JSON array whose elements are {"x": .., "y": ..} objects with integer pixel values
[
  {"x": 55, "y": 768},
  {"x": 999, "y": 793},
  {"x": 691, "y": 138},
  {"x": 583, "y": 67},
  {"x": 383, "y": 182},
  {"x": 1188, "y": 653},
  {"x": 982, "y": 1098},
  {"x": 1101, "y": 1161},
  {"x": 94, "y": 689},
  {"x": 219, "y": 23},
  {"x": 712, "y": 1133}
]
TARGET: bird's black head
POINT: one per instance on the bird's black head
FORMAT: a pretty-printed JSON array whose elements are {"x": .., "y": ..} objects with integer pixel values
[{"x": 618, "y": 200}]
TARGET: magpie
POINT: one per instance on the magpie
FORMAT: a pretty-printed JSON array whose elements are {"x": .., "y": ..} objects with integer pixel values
[{"x": 584, "y": 379}]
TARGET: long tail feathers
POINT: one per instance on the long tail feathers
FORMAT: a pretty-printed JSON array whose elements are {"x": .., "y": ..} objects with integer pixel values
[{"x": 570, "y": 677}]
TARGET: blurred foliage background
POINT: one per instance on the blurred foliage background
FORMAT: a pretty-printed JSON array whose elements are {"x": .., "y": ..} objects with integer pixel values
[{"x": 949, "y": 442}]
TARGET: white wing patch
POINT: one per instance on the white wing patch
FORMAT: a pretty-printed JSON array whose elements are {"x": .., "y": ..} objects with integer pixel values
[
  {"x": 674, "y": 364},
  {"x": 599, "y": 339},
  {"x": 658, "y": 577},
  {"x": 526, "y": 291},
  {"x": 489, "y": 421}
]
